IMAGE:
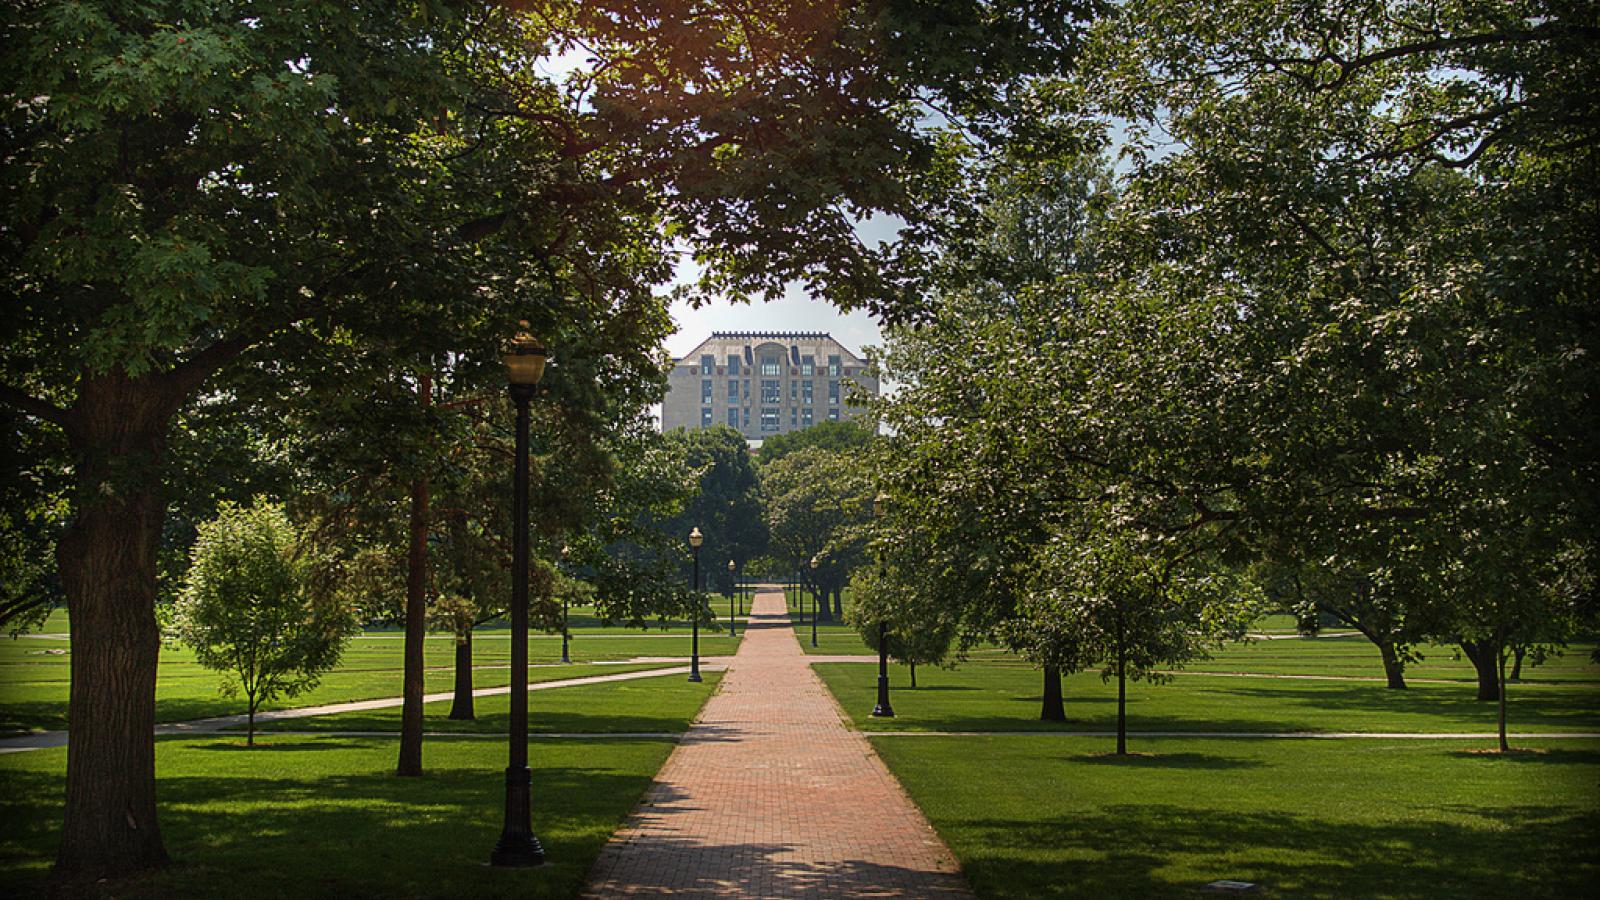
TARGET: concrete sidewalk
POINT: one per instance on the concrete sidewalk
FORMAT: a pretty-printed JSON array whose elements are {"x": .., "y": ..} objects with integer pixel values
[{"x": 44, "y": 740}]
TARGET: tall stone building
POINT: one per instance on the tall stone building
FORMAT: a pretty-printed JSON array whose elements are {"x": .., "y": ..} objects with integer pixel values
[{"x": 763, "y": 383}]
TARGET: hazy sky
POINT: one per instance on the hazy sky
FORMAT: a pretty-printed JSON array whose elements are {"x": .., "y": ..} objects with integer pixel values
[{"x": 794, "y": 312}]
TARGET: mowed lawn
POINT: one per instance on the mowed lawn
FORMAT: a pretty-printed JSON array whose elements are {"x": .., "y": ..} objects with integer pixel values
[
  {"x": 314, "y": 817},
  {"x": 1035, "y": 814},
  {"x": 323, "y": 815},
  {"x": 35, "y": 671},
  {"x": 1056, "y": 816}
]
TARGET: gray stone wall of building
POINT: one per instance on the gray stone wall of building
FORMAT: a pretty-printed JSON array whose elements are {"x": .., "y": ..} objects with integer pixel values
[{"x": 766, "y": 383}]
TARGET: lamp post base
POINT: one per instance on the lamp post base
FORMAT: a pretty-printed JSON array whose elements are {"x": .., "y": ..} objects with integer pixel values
[
  {"x": 883, "y": 710},
  {"x": 517, "y": 847},
  {"x": 695, "y": 677}
]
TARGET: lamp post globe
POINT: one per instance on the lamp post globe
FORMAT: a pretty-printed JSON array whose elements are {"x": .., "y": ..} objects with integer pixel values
[
  {"x": 695, "y": 540},
  {"x": 733, "y": 568},
  {"x": 525, "y": 362},
  {"x": 880, "y": 505}
]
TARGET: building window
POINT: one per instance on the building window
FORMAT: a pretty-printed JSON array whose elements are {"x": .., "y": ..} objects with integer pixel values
[
  {"x": 733, "y": 390},
  {"x": 733, "y": 417},
  {"x": 747, "y": 417},
  {"x": 769, "y": 419},
  {"x": 808, "y": 394},
  {"x": 707, "y": 363},
  {"x": 747, "y": 390},
  {"x": 771, "y": 365},
  {"x": 808, "y": 365},
  {"x": 794, "y": 417},
  {"x": 833, "y": 366},
  {"x": 794, "y": 391},
  {"x": 833, "y": 414},
  {"x": 805, "y": 418},
  {"x": 771, "y": 390},
  {"x": 833, "y": 392},
  {"x": 733, "y": 363},
  {"x": 705, "y": 390},
  {"x": 705, "y": 417}
]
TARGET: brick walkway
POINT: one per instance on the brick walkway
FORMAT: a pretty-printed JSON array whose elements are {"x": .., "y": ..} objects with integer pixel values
[{"x": 769, "y": 795}]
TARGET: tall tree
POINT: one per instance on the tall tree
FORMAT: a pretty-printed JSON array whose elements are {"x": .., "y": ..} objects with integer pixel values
[
  {"x": 188, "y": 187},
  {"x": 726, "y": 507}
]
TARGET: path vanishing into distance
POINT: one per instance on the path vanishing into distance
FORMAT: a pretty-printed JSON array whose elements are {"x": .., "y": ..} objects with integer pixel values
[{"x": 769, "y": 794}]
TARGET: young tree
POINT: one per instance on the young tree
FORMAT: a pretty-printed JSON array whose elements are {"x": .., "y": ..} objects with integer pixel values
[
  {"x": 261, "y": 606},
  {"x": 1133, "y": 610},
  {"x": 918, "y": 633}
]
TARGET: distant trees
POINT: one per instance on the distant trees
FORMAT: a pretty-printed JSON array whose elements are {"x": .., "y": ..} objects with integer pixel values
[
  {"x": 262, "y": 606},
  {"x": 726, "y": 504},
  {"x": 817, "y": 504}
]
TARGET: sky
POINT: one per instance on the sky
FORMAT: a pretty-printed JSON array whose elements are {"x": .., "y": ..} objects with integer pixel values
[{"x": 795, "y": 311}]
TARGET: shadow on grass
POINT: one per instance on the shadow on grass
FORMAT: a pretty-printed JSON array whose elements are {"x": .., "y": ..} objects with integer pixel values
[
  {"x": 1157, "y": 850},
  {"x": 1524, "y": 755},
  {"x": 1451, "y": 706},
  {"x": 269, "y": 744},
  {"x": 1147, "y": 760},
  {"x": 234, "y": 832}
]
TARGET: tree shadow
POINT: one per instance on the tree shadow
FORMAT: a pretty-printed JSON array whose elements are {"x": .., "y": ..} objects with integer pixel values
[
  {"x": 242, "y": 830},
  {"x": 1147, "y": 760},
  {"x": 1133, "y": 850}
]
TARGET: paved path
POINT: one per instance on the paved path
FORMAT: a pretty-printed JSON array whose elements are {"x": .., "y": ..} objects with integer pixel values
[
  {"x": 769, "y": 795},
  {"x": 43, "y": 740}
]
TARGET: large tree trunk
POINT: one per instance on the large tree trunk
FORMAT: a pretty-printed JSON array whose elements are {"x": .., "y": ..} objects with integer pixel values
[
  {"x": 838, "y": 603},
  {"x": 107, "y": 560},
  {"x": 1394, "y": 668},
  {"x": 1483, "y": 655},
  {"x": 1516, "y": 662},
  {"x": 413, "y": 684},
  {"x": 913, "y": 675},
  {"x": 461, "y": 706},
  {"x": 250, "y": 728},
  {"x": 1053, "y": 709},
  {"x": 823, "y": 612}
]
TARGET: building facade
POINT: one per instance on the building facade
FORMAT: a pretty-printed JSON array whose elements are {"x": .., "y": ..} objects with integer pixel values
[{"x": 762, "y": 383}]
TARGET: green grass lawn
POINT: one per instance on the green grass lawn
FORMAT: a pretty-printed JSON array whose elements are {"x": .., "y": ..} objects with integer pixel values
[
  {"x": 1004, "y": 695},
  {"x": 1033, "y": 816},
  {"x": 315, "y": 817},
  {"x": 34, "y": 672},
  {"x": 660, "y": 704},
  {"x": 1058, "y": 815}
]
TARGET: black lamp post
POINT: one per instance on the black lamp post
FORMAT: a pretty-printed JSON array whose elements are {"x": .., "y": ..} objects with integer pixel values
[
  {"x": 565, "y": 659},
  {"x": 524, "y": 361},
  {"x": 695, "y": 540},
  {"x": 883, "y": 710},
  {"x": 815, "y": 561},
  {"x": 733, "y": 586}
]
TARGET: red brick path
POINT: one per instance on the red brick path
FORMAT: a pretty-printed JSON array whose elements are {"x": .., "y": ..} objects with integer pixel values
[{"x": 769, "y": 795}]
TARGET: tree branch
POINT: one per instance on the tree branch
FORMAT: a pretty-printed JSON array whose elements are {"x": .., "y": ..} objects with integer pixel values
[{"x": 33, "y": 406}]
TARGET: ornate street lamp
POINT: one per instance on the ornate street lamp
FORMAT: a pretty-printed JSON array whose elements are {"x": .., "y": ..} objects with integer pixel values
[
  {"x": 815, "y": 562},
  {"x": 880, "y": 505},
  {"x": 695, "y": 540},
  {"x": 565, "y": 659},
  {"x": 733, "y": 584},
  {"x": 524, "y": 361}
]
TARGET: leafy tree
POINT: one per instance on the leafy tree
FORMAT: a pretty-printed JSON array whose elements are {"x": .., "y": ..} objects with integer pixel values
[
  {"x": 918, "y": 634},
  {"x": 845, "y": 436},
  {"x": 726, "y": 507},
  {"x": 817, "y": 506},
  {"x": 260, "y": 606},
  {"x": 191, "y": 191},
  {"x": 1132, "y": 609}
]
